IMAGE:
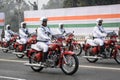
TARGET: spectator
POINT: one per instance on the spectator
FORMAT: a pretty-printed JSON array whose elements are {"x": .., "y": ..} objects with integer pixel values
[{"x": 35, "y": 6}]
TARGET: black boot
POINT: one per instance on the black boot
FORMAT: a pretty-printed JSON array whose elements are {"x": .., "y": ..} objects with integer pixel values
[
  {"x": 24, "y": 46},
  {"x": 102, "y": 51},
  {"x": 44, "y": 57}
]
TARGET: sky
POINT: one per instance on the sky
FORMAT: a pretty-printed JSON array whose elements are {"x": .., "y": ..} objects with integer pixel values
[{"x": 40, "y": 2}]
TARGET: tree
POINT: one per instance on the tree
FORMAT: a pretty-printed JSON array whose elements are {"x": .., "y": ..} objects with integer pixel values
[
  {"x": 13, "y": 10},
  {"x": 79, "y": 3},
  {"x": 53, "y": 4}
]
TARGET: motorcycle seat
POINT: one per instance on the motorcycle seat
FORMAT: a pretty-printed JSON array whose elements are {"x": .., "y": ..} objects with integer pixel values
[
  {"x": 34, "y": 46},
  {"x": 91, "y": 42}
]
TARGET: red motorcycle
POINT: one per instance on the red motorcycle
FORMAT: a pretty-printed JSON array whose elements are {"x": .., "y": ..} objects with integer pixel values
[
  {"x": 57, "y": 57},
  {"x": 20, "y": 49},
  {"x": 111, "y": 49},
  {"x": 72, "y": 44},
  {"x": 9, "y": 46}
]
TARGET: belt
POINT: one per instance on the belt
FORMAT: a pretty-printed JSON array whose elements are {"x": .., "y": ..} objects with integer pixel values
[
  {"x": 97, "y": 37},
  {"x": 41, "y": 41}
]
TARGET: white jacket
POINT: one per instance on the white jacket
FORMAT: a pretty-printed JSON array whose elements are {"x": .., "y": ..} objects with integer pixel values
[
  {"x": 8, "y": 34},
  {"x": 42, "y": 33},
  {"x": 99, "y": 32},
  {"x": 23, "y": 32},
  {"x": 61, "y": 31}
]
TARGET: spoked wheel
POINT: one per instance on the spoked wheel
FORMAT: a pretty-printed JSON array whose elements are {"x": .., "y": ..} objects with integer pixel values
[
  {"x": 5, "y": 50},
  {"x": 117, "y": 58},
  {"x": 32, "y": 60},
  {"x": 77, "y": 49},
  {"x": 91, "y": 60},
  {"x": 70, "y": 64},
  {"x": 19, "y": 55}
]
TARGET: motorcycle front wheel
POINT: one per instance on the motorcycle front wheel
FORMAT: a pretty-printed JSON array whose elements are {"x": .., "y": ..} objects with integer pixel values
[
  {"x": 19, "y": 55},
  {"x": 117, "y": 58},
  {"x": 4, "y": 50},
  {"x": 77, "y": 49},
  {"x": 70, "y": 64},
  {"x": 32, "y": 60}
]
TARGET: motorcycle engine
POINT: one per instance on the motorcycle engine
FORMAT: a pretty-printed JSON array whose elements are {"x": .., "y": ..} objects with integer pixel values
[
  {"x": 52, "y": 59},
  {"x": 11, "y": 47}
]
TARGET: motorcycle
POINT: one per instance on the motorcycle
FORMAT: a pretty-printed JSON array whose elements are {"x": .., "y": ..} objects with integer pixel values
[
  {"x": 20, "y": 50},
  {"x": 9, "y": 46},
  {"x": 72, "y": 44},
  {"x": 57, "y": 57},
  {"x": 92, "y": 49}
]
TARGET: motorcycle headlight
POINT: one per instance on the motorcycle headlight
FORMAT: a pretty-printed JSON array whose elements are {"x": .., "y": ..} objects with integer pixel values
[
  {"x": 17, "y": 37},
  {"x": 64, "y": 43}
]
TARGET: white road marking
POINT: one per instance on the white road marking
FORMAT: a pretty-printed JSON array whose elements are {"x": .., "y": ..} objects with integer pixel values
[
  {"x": 81, "y": 66},
  {"x": 8, "y": 60},
  {"x": 10, "y": 78},
  {"x": 99, "y": 67}
]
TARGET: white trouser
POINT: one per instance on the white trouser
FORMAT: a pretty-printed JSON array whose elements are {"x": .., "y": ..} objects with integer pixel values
[
  {"x": 99, "y": 41},
  {"x": 22, "y": 41},
  {"x": 43, "y": 45},
  {"x": 7, "y": 39}
]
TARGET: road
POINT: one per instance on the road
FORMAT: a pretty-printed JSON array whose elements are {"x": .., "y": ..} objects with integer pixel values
[{"x": 12, "y": 68}]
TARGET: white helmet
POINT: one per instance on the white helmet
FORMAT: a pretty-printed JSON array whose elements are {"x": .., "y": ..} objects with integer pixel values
[
  {"x": 43, "y": 19},
  {"x": 7, "y": 26},
  {"x": 99, "y": 19},
  {"x": 60, "y": 24},
  {"x": 22, "y": 24}
]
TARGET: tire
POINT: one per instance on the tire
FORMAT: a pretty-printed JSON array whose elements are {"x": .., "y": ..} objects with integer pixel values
[
  {"x": 117, "y": 58},
  {"x": 19, "y": 55},
  {"x": 70, "y": 64},
  {"x": 32, "y": 60},
  {"x": 77, "y": 49},
  {"x": 4, "y": 50},
  {"x": 87, "y": 53}
]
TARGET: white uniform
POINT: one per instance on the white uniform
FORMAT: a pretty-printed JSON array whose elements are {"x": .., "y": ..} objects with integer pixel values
[
  {"x": 23, "y": 33},
  {"x": 99, "y": 34},
  {"x": 43, "y": 38},
  {"x": 8, "y": 34},
  {"x": 61, "y": 31}
]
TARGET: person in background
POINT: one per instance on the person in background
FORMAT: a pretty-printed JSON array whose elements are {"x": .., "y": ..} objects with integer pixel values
[
  {"x": 23, "y": 33},
  {"x": 35, "y": 6},
  {"x": 61, "y": 29},
  {"x": 119, "y": 34},
  {"x": 8, "y": 33}
]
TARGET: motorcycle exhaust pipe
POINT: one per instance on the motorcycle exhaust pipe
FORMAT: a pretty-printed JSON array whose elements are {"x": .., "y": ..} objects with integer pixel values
[
  {"x": 18, "y": 53},
  {"x": 33, "y": 65},
  {"x": 92, "y": 57}
]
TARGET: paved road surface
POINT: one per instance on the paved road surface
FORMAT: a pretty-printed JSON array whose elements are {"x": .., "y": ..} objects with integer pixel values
[{"x": 12, "y": 68}]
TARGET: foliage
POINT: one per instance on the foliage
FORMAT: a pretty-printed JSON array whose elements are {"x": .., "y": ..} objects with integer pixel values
[{"x": 13, "y": 10}]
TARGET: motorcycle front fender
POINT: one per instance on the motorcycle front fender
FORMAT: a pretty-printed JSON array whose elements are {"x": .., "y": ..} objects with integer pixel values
[
  {"x": 75, "y": 43},
  {"x": 68, "y": 53},
  {"x": 62, "y": 56}
]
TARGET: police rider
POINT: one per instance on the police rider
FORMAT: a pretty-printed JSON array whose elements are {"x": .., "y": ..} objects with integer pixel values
[
  {"x": 99, "y": 34},
  {"x": 8, "y": 33},
  {"x": 43, "y": 38},
  {"x": 61, "y": 29},
  {"x": 23, "y": 33}
]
